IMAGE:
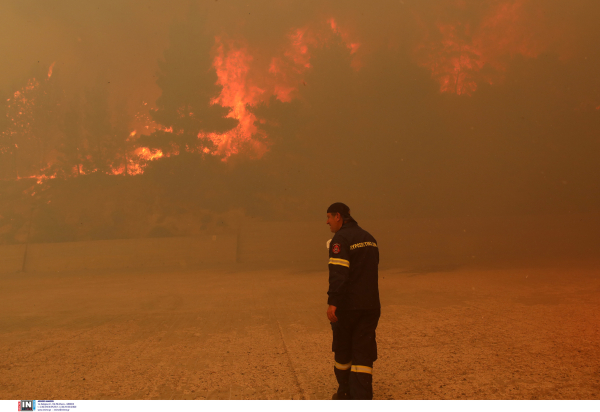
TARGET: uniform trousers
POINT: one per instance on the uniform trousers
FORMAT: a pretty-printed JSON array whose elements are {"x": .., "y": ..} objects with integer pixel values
[{"x": 355, "y": 351}]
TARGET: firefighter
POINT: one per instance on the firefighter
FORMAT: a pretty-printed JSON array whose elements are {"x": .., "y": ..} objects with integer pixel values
[{"x": 354, "y": 306}]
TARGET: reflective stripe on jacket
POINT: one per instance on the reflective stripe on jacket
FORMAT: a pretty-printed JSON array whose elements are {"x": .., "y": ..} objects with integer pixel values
[{"x": 353, "y": 269}]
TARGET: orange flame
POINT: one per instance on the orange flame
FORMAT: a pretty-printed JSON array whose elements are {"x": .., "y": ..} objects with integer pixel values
[
  {"x": 287, "y": 71},
  {"x": 143, "y": 124},
  {"x": 41, "y": 178},
  {"x": 232, "y": 67},
  {"x": 458, "y": 58},
  {"x": 137, "y": 161},
  {"x": 145, "y": 153},
  {"x": 243, "y": 85},
  {"x": 240, "y": 90}
]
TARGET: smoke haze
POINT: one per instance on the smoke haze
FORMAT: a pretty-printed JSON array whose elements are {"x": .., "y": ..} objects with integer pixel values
[
  {"x": 166, "y": 167},
  {"x": 275, "y": 109}
]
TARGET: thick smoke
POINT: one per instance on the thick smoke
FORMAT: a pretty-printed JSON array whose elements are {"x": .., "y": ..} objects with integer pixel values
[{"x": 165, "y": 118}]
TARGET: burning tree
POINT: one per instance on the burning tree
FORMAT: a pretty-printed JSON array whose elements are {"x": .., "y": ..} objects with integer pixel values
[
  {"x": 29, "y": 128},
  {"x": 463, "y": 53},
  {"x": 104, "y": 133},
  {"x": 188, "y": 83}
]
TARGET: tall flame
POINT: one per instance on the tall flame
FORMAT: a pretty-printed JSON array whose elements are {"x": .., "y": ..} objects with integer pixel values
[
  {"x": 232, "y": 65},
  {"x": 243, "y": 86}
]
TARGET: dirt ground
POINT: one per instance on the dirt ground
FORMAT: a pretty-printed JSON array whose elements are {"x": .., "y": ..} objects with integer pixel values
[{"x": 237, "y": 332}]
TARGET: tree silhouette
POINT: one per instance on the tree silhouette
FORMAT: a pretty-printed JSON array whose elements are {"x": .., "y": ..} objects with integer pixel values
[
  {"x": 188, "y": 83},
  {"x": 72, "y": 139},
  {"x": 310, "y": 137}
]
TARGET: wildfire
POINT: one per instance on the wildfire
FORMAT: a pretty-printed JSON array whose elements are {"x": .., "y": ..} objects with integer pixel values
[
  {"x": 456, "y": 59},
  {"x": 244, "y": 84},
  {"x": 142, "y": 155},
  {"x": 458, "y": 53},
  {"x": 353, "y": 46},
  {"x": 20, "y": 115},
  {"x": 137, "y": 160},
  {"x": 237, "y": 93},
  {"x": 286, "y": 71},
  {"x": 39, "y": 178},
  {"x": 457, "y": 66},
  {"x": 298, "y": 52},
  {"x": 241, "y": 90},
  {"x": 147, "y": 154},
  {"x": 143, "y": 124},
  {"x": 20, "y": 135}
]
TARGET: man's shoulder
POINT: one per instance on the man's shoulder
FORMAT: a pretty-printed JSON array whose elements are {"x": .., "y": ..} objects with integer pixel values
[
  {"x": 352, "y": 233},
  {"x": 363, "y": 233},
  {"x": 340, "y": 236}
]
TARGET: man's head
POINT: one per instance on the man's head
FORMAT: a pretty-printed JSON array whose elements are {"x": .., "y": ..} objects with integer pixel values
[{"x": 337, "y": 214}]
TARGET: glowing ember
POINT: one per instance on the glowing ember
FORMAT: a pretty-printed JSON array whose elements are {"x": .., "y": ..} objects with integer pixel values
[
  {"x": 20, "y": 135},
  {"x": 137, "y": 161},
  {"x": 41, "y": 178},
  {"x": 143, "y": 124},
  {"x": 20, "y": 118},
  {"x": 147, "y": 154},
  {"x": 21, "y": 104}
]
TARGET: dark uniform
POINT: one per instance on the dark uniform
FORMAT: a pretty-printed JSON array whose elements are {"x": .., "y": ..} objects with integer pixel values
[{"x": 354, "y": 290}]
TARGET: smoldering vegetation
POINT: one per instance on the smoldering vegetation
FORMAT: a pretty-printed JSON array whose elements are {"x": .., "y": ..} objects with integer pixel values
[{"x": 443, "y": 111}]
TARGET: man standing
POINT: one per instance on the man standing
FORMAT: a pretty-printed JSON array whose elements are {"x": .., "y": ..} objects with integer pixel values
[{"x": 354, "y": 306}]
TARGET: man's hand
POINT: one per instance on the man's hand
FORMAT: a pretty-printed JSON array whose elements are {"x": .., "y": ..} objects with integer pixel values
[{"x": 331, "y": 313}]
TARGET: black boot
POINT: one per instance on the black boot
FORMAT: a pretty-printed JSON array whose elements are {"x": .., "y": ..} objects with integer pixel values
[
  {"x": 340, "y": 396},
  {"x": 361, "y": 385},
  {"x": 343, "y": 378}
]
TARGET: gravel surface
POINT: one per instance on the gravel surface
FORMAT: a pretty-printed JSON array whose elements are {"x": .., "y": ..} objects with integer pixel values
[{"x": 525, "y": 332}]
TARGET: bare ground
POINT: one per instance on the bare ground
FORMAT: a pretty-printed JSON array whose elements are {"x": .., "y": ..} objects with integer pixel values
[{"x": 526, "y": 332}]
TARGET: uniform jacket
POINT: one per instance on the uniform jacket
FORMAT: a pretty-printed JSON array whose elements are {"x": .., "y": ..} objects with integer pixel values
[{"x": 353, "y": 273}]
